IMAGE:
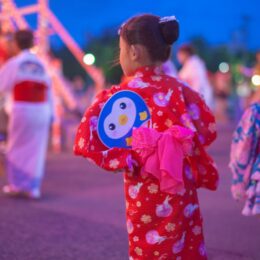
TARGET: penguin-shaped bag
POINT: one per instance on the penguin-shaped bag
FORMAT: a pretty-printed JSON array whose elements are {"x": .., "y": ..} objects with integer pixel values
[{"x": 124, "y": 111}]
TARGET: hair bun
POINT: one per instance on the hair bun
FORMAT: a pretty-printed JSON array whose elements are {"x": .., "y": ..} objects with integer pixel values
[{"x": 169, "y": 27}]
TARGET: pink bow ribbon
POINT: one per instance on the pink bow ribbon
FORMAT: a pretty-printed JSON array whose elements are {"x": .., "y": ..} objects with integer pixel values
[{"x": 162, "y": 154}]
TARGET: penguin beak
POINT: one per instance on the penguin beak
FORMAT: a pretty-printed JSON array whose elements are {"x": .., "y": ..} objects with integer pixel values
[{"x": 123, "y": 119}]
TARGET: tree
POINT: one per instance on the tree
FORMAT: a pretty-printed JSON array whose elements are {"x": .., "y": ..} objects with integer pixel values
[{"x": 104, "y": 48}]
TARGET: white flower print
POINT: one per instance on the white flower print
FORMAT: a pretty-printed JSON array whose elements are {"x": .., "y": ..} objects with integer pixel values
[
  {"x": 170, "y": 227},
  {"x": 159, "y": 113},
  {"x": 146, "y": 219},
  {"x": 113, "y": 164},
  {"x": 117, "y": 86},
  {"x": 156, "y": 78},
  {"x": 196, "y": 230},
  {"x": 135, "y": 238},
  {"x": 138, "y": 251},
  {"x": 81, "y": 143},
  {"x": 139, "y": 75},
  {"x": 212, "y": 127},
  {"x": 83, "y": 119},
  {"x": 153, "y": 188},
  {"x": 138, "y": 83},
  {"x": 138, "y": 204}
]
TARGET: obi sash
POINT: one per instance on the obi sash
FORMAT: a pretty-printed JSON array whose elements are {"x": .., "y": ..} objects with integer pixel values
[
  {"x": 162, "y": 154},
  {"x": 30, "y": 91}
]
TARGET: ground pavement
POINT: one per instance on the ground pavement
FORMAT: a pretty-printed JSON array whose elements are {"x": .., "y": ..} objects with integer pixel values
[{"x": 81, "y": 215}]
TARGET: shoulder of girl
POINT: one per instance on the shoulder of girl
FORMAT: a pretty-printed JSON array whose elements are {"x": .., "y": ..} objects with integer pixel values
[{"x": 115, "y": 88}]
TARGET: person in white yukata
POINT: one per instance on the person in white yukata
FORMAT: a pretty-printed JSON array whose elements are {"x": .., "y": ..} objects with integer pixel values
[
  {"x": 194, "y": 73},
  {"x": 25, "y": 80}
]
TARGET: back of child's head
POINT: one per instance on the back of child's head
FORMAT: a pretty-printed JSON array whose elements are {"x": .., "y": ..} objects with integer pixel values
[
  {"x": 154, "y": 33},
  {"x": 24, "y": 39}
]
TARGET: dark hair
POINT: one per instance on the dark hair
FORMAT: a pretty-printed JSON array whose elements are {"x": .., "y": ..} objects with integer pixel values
[
  {"x": 24, "y": 39},
  {"x": 155, "y": 34},
  {"x": 187, "y": 48}
]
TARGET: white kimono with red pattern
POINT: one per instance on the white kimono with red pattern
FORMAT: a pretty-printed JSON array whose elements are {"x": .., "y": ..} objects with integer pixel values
[{"x": 24, "y": 79}]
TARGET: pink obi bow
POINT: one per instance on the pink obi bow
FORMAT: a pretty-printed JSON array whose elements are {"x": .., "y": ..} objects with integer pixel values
[{"x": 162, "y": 154}]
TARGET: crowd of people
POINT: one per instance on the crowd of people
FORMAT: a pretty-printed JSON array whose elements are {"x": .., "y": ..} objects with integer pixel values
[{"x": 136, "y": 127}]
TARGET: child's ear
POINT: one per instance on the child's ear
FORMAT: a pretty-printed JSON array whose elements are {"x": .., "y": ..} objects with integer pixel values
[{"x": 135, "y": 52}]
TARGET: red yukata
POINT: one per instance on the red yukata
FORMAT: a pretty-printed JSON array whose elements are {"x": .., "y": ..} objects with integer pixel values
[{"x": 160, "y": 225}]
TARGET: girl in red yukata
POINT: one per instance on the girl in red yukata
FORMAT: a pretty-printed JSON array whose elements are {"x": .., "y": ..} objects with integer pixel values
[{"x": 155, "y": 129}]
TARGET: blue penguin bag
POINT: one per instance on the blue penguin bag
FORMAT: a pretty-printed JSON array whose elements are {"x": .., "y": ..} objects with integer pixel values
[{"x": 124, "y": 111}]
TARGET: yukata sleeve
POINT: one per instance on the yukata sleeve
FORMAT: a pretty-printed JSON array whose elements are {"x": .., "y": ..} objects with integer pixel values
[
  {"x": 243, "y": 151},
  {"x": 88, "y": 144},
  {"x": 202, "y": 117}
]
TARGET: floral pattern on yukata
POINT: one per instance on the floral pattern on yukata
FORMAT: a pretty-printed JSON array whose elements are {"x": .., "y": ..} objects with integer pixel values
[{"x": 245, "y": 161}]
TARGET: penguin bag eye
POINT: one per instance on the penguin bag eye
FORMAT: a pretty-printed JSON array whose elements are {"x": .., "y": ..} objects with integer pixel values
[
  {"x": 122, "y": 105},
  {"x": 112, "y": 127}
]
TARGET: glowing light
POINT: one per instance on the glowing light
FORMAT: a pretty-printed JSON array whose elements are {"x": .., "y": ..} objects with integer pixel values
[
  {"x": 223, "y": 67},
  {"x": 89, "y": 59},
  {"x": 256, "y": 80},
  {"x": 243, "y": 90}
]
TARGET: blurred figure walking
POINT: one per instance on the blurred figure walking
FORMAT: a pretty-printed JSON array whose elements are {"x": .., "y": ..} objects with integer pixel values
[
  {"x": 194, "y": 73},
  {"x": 25, "y": 80},
  {"x": 245, "y": 161}
]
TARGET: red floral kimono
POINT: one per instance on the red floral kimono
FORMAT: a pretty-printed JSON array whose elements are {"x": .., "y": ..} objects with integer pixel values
[{"x": 160, "y": 225}]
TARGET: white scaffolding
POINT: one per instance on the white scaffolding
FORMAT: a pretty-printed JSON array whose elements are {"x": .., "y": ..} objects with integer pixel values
[{"x": 13, "y": 17}]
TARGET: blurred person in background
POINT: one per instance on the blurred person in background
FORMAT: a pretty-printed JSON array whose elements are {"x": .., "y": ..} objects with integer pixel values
[
  {"x": 194, "y": 73},
  {"x": 62, "y": 96},
  {"x": 245, "y": 160},
  {"x": 222, "y": 89},
  {"x": 252, "y": 73},
  {"x": 4, "y": 53},
  {"x": 249, "y": 72},
  {"x": 25, "y": 79}
]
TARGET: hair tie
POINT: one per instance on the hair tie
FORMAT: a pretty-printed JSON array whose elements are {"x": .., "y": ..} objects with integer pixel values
[
  {"x": 167, "y": 19},
  {"x": 120, "y": 28}
]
